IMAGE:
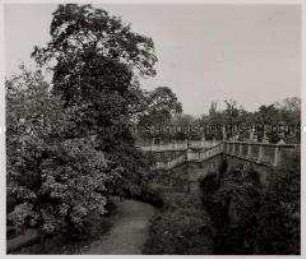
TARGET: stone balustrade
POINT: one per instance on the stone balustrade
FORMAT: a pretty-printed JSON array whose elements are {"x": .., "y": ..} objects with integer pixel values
[
  {"x": 172, "y": 163},
  {"x": 179, "y": 146},
  {"x": 191, "y": 155},
  {"x": 262, "y": 153},
  {"x": 165, "y": 147}
]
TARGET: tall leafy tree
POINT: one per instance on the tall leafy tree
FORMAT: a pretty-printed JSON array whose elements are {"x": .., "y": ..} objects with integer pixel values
[
  {"x": 161, "y": 105},
  {"x": 96, "y": 59},
  {"x": 96, "y": 56}
]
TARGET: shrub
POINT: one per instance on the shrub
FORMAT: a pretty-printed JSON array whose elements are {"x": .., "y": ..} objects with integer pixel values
[
  {"x": 181, "y": 231},
  {"x": 182, "y": 227}
]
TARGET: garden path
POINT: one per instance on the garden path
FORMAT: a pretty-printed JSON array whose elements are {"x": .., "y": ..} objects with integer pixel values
[{"x": 129, "y": 231}]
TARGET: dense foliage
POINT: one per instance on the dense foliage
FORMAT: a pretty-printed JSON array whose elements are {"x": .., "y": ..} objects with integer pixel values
[
  {"x": 181, "y": 228},
  {"x": 251, "y": 219},
  {"x": 96, "y": 59},
  {"x": 278, "y": 230},
  {"x": 270, "y": 121},
  {"x": 54, "y": 181},
  {"x": 68, "y": 143}
]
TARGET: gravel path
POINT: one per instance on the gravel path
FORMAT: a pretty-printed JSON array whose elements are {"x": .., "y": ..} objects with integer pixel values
[{"x": 129, "y": 232}]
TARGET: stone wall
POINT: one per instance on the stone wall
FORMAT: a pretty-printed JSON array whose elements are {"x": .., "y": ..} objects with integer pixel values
[{"x": 268, "y": 155}]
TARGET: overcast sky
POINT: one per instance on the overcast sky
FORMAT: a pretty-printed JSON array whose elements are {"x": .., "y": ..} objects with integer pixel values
[{"x": 251, "y": 53}]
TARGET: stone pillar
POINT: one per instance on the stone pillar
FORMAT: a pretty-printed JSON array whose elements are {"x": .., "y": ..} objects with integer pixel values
[
  {"x": 240, "y": 149},
  {"x": 224, "y": 135},
  {"x": 281, "y": 138},
  {"x": 213, "y": 141},
  {"x": 276, "y": 157},
  {"x": 265, "y": 138},
  {"x": 252, "y": 133},
  {"x": 260, "y": 154},
  {"x": 186, "y": 143},
  {"x": 249, "y": 150},
  {"x": 281, "y": 134}
]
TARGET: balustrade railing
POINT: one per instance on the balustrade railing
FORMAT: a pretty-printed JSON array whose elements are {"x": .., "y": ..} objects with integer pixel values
[
  {"x": 165, "y": 147},
  {"x": 179, "y": 146},
  {"x": 263, "y": 153},
  {"x": 172, "y": 163},
  {"x": 195, "y": 155}
]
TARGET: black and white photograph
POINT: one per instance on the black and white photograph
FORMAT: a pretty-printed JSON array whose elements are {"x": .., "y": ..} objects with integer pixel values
[{"x": 153, "y": 129}]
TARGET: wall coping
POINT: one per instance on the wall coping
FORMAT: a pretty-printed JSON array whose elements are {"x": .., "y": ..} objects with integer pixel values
[
  {"x": 223, "y": 151},
  {"x": 220, "y": 143}
]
